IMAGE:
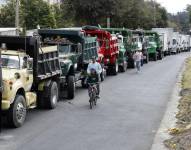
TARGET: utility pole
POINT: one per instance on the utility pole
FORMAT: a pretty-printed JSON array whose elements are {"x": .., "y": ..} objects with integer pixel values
[
  {"x": 108, "y": 22},
  {"x": 154, "y": 13},
  {"x": 17, "y": 17}
]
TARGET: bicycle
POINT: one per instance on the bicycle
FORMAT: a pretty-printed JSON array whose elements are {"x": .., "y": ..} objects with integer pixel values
[{"x": 92, "y": 91}]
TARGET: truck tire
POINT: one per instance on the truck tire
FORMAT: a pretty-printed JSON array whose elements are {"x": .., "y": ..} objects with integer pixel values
[
  {"x": 147, "y": 59},
  {"x": 102, "y": 76},
  {"x": 52, "y": 98},
  {"x": 17, "y": 112},
  {"x": 71, "y": 87},
  {"x": 115, "y": 68},
  {"x": 155, "y": 57},
  {"x": 160, "y": 56},
  {"x": 84, "y": 84},
  {"x": 124, "y": 67},
  {"x": 131, "y": 63}
]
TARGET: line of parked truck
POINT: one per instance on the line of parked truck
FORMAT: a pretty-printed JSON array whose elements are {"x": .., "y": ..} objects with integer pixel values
[{"x": 36, "y": 69}]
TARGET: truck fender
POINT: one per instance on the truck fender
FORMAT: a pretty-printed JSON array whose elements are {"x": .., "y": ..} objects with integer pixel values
[{"x": 17, "y": 87}]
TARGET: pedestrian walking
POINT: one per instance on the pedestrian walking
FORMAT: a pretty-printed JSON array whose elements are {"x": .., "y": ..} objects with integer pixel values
[{"x": 137, "y": 59}]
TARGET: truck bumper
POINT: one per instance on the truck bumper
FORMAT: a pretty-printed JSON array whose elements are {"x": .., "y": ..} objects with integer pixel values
[{"x": 5, "y": 105}]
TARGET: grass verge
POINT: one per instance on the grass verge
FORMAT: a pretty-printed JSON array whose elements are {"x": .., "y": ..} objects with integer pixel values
[{"x": 181, "y": 134}]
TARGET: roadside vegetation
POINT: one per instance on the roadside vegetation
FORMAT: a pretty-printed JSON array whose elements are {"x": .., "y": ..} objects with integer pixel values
[
  {"x": 181, "y": 134},
  {"x": 130, "y": 14}
]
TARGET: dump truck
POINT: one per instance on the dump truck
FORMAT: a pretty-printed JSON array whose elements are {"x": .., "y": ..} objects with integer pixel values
[
  {"x": 164, "y": 42},
  {"x": 168, "y": 32},
  {"x": 183, "y": 43},
  {"x": 75, "y": 53},
  {"x": 108, "y": 52},
  {"x": 187, "y": 43},
  {"x": 139, "y": 42},
  {"x": 124, "y": 41},
  {"x": 175, "y": 43},
  {"x": 31, "y": 76},
  {"x": 155, "y": 45}
]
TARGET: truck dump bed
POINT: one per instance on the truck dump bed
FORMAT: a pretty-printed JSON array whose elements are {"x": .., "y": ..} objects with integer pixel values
[
  {"x": 74, "y": 35},
  {"x": 45, "y": 59}
]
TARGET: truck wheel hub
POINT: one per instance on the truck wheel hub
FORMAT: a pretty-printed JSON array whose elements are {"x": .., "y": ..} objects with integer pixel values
[{"x": 20, "y": 112}]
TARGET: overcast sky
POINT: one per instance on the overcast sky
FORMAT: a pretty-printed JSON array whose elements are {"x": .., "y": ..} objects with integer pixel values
[{"x": 173, "y": 6}]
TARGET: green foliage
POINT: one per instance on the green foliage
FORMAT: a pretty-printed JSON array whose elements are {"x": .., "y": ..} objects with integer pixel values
[
  {"x": 123, "y": 13},
  {"x": 32, "y": 13},
  {"x": 7, "y": 14},
  {"x": 189, "y": 12},
  {"x": 37, "y": 12},
  {"x": 129, "y": 13},
  {"x": 180, "y": 21}
]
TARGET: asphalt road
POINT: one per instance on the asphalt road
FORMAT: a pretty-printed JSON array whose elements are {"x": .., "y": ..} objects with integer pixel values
[{"x": 126, "y": 118}]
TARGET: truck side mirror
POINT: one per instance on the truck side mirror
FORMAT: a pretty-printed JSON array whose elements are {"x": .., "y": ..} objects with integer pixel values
[{"x": 30, "y": 64}]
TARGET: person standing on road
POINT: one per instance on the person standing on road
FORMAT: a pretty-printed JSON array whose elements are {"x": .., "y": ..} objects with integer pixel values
[
  {"x": 137, "y": 59},
  {"x": 98, "y": 70}
]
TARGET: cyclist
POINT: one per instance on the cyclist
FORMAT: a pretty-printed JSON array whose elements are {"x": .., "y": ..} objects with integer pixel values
[{"x": 94, "y": 70}]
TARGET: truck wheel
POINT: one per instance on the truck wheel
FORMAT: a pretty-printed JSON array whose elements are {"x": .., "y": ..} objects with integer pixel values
[
  {"x": 102, "y": 76},
  {"x": 71, "y": 87},
  {"x": 124, "y": 67},
  {"x": 160, "y": 56},
  {"x": 17, "y": 112},
  {"x": 84, "y": 84},
  {"x": 131, "y": 63},
  {"x": 147, "y": 59},
  {"x": 52, "y": 98},
  {"x": 155, "y": 57},
  {"x": 115, "y": 69}
]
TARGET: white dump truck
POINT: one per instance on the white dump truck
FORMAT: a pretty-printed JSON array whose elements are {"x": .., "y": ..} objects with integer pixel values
[
  {"x": 167, "y": 32},
  {"x": 175, "y": 40}
]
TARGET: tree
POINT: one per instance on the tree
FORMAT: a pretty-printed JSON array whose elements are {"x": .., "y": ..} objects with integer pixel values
[
  {"x": 92, "y": 12},
  {"x": 32, "y": 13},
  {"x": 37, "y": 12},
  {"x": 7, "y": 14}
]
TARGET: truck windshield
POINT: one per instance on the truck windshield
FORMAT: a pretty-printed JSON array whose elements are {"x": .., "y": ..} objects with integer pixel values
[
  {"x": 10, "y": 61},
  {"x": 151, "y": 39},
  {"x": 64, "y": 49}
]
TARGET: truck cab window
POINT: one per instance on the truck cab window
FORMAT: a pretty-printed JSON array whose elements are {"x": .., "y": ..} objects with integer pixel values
[{"x": 10, "y": 61}]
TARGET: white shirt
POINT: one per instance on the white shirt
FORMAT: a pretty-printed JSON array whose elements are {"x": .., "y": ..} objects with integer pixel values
[
  {"x": 137, "y": 56},
  {"x": 96, "y": 66}
]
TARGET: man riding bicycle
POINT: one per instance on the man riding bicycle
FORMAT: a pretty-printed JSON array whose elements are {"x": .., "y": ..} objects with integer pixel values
[{"x": 94, "y": 70}]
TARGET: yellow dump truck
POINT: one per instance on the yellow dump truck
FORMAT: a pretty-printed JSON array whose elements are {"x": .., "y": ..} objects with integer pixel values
[{"x": 30, "y": 74}]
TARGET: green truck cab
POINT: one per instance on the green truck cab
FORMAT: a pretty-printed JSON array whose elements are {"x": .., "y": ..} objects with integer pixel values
[
  {"x": 31, "y": 75},
  {"x": 154, "y": 45},
  {"x": 75, "y": 52}
]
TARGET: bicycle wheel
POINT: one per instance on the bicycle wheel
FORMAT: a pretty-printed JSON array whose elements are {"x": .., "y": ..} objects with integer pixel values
[{"x": 91, "y": 103}]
